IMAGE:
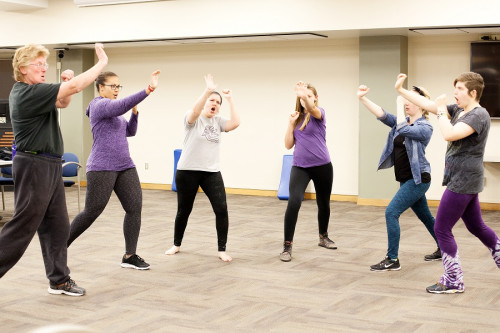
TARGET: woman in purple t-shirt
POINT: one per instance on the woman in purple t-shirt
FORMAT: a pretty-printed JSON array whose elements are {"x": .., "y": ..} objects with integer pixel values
[
  {"x": 311, "y": 161},
  {"x": 110, "y": 167}
]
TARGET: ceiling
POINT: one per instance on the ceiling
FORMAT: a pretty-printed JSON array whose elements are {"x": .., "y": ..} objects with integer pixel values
[{"x": 20, "y": 5}]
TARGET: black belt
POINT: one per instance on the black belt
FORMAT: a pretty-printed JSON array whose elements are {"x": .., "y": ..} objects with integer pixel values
[{"x": 42, "y": 154}]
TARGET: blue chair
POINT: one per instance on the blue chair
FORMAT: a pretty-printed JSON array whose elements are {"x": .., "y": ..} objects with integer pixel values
[
  {"x": 71, "y": 168},
  {"x": 283, "y": 189},
  {"x": 286, "y": 169},
  {"x": 177, "y": 155},
  {"x": 5, "y": 181}
]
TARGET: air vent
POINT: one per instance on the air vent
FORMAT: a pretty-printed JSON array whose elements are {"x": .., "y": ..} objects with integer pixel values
[
  {"x": 207, "y": 40},
  {"x": 88, "y": 3},
  {"x": 458, "y": 30}
]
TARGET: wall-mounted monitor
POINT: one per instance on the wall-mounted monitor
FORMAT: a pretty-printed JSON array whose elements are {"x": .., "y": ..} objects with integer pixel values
[{"x": 485, "y": 60}]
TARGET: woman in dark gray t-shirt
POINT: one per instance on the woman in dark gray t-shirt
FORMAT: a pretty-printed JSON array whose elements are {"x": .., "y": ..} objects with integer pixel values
[{"x": 465, "y": 125}]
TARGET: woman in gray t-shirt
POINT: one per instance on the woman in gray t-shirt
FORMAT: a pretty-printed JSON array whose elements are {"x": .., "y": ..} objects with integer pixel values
[
  {"x": 198, "y": 165},
  {"x": 465, "y": 125}
]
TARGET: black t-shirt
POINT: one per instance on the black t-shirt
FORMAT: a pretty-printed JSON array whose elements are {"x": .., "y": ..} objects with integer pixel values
[
  {"x": 34, "y": 118},
  {"x": 402, "y": 168}
]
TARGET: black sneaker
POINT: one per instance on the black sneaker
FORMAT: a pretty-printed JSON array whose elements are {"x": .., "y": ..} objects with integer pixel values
[
  {"x": 286, "y": 255},
  {"x": 386, "y": 265},
  {"x": 434, "y": 256},
  {"x": 134, "y": 261},
  {"x": 439, "y": 288},
  {"x": 68, "y": 288}
]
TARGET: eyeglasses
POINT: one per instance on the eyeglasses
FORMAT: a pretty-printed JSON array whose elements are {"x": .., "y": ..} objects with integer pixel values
[
  {"x": 419, "y": 91},
  {"x": 113, "y": 86},
  {"x": 39, "y": 65}
]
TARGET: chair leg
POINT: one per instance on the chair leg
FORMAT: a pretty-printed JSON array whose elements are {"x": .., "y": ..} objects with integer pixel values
[
  {"x": 78, "y": 177},
  {"x": 3, "y": 197}
]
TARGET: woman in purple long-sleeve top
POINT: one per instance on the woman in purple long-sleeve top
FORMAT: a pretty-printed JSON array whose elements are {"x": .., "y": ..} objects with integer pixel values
[{"x": 110, "y": 167}]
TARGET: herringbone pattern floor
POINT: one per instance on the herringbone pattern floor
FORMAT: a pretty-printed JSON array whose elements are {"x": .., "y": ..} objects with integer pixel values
[{"x": 319, "y": 290}]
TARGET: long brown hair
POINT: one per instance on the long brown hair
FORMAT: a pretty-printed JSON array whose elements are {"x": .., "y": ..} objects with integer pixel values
[{"x": 300, "y": 109}]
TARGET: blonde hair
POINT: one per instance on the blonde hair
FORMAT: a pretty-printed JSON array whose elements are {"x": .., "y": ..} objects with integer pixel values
[
  {"x": 423, "y": 92},
  {"x": 300, "y": 109},
  {"x": 24, "y": 55}
]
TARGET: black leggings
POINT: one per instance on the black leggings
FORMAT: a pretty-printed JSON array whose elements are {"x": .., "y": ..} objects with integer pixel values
[
  {"x": 211, "y": 183},
  {"x": 127, "y": 187},
  {"x": 322, "y": 177}
]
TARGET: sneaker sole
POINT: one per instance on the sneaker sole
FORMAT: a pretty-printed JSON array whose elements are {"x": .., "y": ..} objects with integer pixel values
[
  {"x": 61, "y": 292},
  {"x": 134, "y": 267},
  {"x": 329, "y": 248},
  {"x": 384, "y": 270},
  {"x": 439, "y": 259},
  {"x": 286, "y": 260},
  {"x": 449, "y": 291}
]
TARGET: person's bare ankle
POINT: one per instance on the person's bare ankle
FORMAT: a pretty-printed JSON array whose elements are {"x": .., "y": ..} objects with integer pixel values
[
  {"x": 224, "y": 257},
  {"x": 173, "y": 250}
]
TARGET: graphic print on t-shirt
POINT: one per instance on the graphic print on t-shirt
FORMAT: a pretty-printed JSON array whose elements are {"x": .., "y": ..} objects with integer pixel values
[{"x": 211, "y": 134}]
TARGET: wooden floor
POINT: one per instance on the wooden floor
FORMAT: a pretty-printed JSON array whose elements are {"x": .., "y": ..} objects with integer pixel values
[{"x": 319, "y": 290}]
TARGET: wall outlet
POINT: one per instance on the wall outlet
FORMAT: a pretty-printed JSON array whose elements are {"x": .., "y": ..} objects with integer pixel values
[
  {"x": 484, "y": 181},
  {"x": 146, "y": 166}
]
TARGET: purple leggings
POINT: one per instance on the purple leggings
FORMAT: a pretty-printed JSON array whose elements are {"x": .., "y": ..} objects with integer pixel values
[{"x": 454, "y": 206}]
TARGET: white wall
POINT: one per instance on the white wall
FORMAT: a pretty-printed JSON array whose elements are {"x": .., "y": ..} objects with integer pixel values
[{"x": 262, "y": 77}]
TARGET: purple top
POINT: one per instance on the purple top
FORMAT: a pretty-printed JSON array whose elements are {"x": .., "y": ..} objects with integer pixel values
[
  {"x": 110, "y": 130},
  {"x": 310, "y": 144}
]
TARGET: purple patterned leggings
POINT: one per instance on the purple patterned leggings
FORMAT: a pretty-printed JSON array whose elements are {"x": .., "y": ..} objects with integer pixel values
[{"x": 452, "y": 207}]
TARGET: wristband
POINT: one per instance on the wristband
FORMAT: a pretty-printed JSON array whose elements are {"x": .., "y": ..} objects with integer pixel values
[{"x": 151, "y": 89}]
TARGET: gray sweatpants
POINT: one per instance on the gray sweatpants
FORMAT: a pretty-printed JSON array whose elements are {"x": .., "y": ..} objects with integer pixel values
[{"x": 40, "y": 206}]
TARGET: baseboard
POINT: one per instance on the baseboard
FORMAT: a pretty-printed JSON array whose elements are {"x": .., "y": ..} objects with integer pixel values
[
  {"x": 245, "y": 191},
  {"x": 309, "y": 196},
  {"x": 152, "y": 186},
  {"x": 489, "y": 206},
  {"x": 261, "y": 193},
  {"x": 373, "y": 202},
  {"x": 431, "y": 203}
]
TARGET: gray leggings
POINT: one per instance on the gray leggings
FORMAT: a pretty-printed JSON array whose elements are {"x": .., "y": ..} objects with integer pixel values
[{"x": 127, "y": 187}]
